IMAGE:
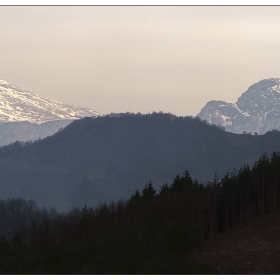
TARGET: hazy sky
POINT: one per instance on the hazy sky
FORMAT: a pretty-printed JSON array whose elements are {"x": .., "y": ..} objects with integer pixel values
[{"x": 139, "y": 58}]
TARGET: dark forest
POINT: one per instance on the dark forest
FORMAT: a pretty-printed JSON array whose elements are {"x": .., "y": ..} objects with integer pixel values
[{"x": 152, "y": 232}]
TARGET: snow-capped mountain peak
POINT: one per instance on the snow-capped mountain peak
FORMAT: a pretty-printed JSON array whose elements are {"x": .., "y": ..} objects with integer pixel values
[
  {"x": 256, "y": 110},
  {"x": 20, "y": 105}
]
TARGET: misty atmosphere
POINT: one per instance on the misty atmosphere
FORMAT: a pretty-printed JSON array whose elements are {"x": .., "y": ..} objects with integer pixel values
[{"x": 137, "y": 140}]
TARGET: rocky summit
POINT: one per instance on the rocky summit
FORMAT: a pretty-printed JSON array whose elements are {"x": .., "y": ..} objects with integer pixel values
[
  {"x": 17, "y": 105},
  {"x": 256, "y": 111}
]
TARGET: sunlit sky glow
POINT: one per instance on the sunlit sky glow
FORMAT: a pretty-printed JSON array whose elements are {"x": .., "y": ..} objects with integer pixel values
[{"x": 139, "y": 58}]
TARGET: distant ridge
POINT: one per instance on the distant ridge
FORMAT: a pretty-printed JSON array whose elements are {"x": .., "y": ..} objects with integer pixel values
[
  {"x": 17, "y": 105},
  {"x": 107, "y": 158},
  {"x": 256, "y": 111}
]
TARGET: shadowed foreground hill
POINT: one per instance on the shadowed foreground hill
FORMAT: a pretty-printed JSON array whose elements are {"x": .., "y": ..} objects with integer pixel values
[
  {"x": 250, "y": 248},
  {"x": 108, "y": 158}
]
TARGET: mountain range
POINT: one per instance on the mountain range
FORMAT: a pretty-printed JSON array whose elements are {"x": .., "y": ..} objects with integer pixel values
[
  {"x": 107, "y": 158},
  {"x": 257, "y": 110},
  {"x": 26, "y": 116}
]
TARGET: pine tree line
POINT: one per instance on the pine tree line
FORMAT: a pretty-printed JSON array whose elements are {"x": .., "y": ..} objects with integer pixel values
[
  {"x": 152, "y": 232},
  {"x": 249, "y": 193}
]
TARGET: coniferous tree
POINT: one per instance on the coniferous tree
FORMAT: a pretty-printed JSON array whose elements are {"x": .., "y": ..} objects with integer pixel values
[{"x": 148, "y": 191}]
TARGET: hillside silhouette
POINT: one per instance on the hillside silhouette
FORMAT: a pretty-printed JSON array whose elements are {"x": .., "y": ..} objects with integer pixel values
[{"x": 107, "y": 158}]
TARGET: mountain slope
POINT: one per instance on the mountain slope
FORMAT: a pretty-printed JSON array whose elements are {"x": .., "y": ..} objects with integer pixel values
[
  {"x": 256, "y": 110},
  {"x": 18, "y": 105},
  {"x": 109, "y": 157},
  {"x": 251, "y": 248},
  {"x": 26, "y": 131}
]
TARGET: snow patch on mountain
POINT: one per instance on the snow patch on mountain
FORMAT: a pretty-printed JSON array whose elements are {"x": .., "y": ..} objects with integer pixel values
[{"x": 17, "y": 105}]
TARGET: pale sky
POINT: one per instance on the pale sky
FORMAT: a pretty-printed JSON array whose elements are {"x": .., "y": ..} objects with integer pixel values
[{"x": 139, "y": 58}]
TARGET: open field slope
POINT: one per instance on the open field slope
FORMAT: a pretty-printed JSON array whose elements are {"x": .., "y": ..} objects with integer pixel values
[{"x": 250, "y": 248}]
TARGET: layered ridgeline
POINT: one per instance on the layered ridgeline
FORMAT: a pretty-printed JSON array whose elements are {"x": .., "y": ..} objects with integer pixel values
[
  {"x": 27, "y": 116},
  {"x": 93, "y": 160},
  {"x": 256, "y": 111}
]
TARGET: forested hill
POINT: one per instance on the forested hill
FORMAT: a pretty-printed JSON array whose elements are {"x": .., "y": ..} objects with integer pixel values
[{"x": 109, "y": 157}]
